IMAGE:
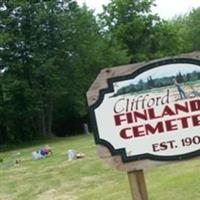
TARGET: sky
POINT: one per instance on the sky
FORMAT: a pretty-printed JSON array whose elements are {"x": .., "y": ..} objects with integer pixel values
[{"x": 166, "y": 9}]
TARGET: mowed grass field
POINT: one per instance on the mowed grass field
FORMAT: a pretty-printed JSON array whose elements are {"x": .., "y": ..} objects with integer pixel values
[{"x": 56, "y": 178}]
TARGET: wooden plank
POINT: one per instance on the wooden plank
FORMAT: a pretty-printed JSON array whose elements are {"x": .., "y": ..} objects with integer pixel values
[
  {"x": 137, "y": 185},
  {"x": 117, "y": 163}
]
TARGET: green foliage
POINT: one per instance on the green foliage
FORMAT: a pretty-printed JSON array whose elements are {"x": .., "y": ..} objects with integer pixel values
[
  {"x": 193, "y": 29},
  {"x": 130, "y": 23},
  {"x": 188, "y": 30},
  {"x": 165, "y": 40},
  {"x": 50, "y": 53},
  {"x": 133, "y": 25}
]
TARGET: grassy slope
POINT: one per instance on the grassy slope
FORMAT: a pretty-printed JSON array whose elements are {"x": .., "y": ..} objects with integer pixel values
[{"x": 56, "y": 178}]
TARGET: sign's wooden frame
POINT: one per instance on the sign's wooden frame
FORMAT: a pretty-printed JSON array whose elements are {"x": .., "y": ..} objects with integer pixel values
[{"x": 133, "y": 168}]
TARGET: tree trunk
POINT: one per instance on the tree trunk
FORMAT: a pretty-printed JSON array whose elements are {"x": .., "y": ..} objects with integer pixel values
[
  {"x": 3, "y": 127},
  {"x": 49, "y": 118},
  {"x": 43, "y": 124}
]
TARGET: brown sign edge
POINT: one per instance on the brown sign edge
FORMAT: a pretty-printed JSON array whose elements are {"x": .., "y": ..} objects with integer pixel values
[{"x": 102, "y": 83}]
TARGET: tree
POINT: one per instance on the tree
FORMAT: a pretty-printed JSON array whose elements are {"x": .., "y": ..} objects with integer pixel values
[
  {"x": 187, "y": 28},
  {"x": 143, "y": 34},
  {"x": 130, "y": 23},
  {"x": 193, "y": 29},
  {"x": 179, "y": 26},
  {"x": 50, "y": 53},
  {"x": 165, "y": 40},
  {"x": 92, "y": 52},
  {"x": 31, "y": 58}
]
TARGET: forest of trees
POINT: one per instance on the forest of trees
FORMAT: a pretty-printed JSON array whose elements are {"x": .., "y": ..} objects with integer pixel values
[{"x": 51, "y": 51}]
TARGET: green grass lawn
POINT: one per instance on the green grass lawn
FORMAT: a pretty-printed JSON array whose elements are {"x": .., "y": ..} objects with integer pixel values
[{"x": 56, "y": 178}]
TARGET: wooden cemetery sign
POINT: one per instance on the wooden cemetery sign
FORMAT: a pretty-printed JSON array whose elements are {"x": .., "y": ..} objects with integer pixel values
[{"x": 147, "y": 114}]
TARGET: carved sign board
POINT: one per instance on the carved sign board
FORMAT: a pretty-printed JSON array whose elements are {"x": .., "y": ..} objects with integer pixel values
[{"x": 151, "y": 113}]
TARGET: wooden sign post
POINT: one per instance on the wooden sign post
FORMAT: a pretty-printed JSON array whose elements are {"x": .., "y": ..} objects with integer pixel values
[
  {"x": 137, "y": 185},
  {"x": 147, "y": 114}
]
